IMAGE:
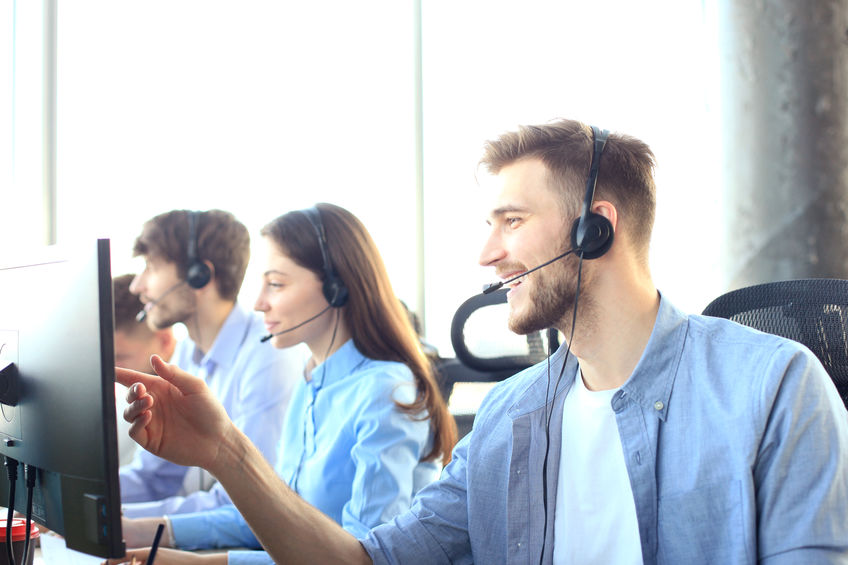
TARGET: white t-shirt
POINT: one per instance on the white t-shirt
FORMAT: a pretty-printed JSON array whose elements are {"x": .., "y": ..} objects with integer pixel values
[{"x": 595, "y": 519}]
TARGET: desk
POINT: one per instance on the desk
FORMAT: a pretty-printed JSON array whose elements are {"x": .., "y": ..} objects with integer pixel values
[
  {"x": 38, "y": 559},
  {"x": 54, "y": 552}
]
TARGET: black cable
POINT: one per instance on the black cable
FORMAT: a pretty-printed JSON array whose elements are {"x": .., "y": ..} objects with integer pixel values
[
  {"x": 332, "y": 341},
  {"x": 12, "y": 473},
  {"x": 311, "y": 406},
  {"x": 29, "y": 476},
  {"x": 549, "y": 413}
]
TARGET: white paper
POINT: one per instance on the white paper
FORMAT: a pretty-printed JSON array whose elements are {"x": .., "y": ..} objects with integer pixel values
[{"x": 54, "y": 552}]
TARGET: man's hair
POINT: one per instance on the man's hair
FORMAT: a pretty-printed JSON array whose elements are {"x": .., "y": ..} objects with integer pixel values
[
  {"x": 220, "y": 239},
  {"x": 127, "y": 305},
  {"x": 625, "y": 177}
]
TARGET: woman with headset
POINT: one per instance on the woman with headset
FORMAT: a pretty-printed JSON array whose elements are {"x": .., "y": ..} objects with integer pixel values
[{"x": 367, "y": 426}]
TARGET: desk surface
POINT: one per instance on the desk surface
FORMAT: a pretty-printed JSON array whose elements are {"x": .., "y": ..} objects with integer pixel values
[{"x": 38, "y": 558}]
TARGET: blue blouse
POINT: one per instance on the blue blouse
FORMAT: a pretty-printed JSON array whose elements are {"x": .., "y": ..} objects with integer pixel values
[
  {"x": 253, "y": 382},
  {"x": 346, "y": 449}
]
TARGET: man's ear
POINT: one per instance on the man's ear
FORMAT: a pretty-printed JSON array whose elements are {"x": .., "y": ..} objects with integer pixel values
[
  {"x": 211, "y": 266},
  {"x": 165, "y": 342},
  {"x": 608, "y": 210}
]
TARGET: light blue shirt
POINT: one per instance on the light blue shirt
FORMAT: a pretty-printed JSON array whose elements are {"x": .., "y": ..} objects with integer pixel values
[
  {"x": 253, "y": 381},
  {"x": 735, "y": 442},
  {"x": 347, "y": 449}
]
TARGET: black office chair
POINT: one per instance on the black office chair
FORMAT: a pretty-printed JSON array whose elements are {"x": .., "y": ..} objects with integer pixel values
[
  {"x": 811, "y": 311},
  {"x": 486, "y": 351}
]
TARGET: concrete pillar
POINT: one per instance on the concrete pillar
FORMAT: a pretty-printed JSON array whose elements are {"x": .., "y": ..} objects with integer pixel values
[{"x": 784, "y": 73}]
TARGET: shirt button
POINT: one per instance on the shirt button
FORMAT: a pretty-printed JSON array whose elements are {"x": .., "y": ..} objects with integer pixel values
[
  {"x": 518, "y": 544},
  {"x": 518, "y": 472},
  {"x": 618, "y": 401},
  {"x": 658, "y": 405}
]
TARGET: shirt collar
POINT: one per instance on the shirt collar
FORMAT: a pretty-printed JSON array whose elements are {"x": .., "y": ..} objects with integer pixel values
[
  {"x": 229, "y": 340},
  {"x": 650, "y": 383},
  {"x": 341, "y": 364}
]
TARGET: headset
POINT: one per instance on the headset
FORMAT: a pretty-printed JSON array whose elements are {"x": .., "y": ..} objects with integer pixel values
[
  {"x": 198, "y": 273},
  {"x": 591, "y": 233},
  {"x": 334, "y": 288}
]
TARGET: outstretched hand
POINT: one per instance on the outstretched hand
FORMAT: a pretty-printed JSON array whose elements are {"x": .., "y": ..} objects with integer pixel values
[{"x": 173, "y": 414}]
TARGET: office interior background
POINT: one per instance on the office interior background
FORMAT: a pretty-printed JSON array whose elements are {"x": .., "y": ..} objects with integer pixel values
[{"x": 115, "y": 111}]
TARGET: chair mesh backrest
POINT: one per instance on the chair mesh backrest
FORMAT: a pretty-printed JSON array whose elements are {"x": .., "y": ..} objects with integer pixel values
[{"x": 811, "y": 311}]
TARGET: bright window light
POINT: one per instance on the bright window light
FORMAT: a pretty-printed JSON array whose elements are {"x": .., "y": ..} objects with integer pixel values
[{"x": 261, "y": 106}]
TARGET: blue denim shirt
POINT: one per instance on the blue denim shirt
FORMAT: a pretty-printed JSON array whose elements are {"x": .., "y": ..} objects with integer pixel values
[{"x": 735, "y": 441}]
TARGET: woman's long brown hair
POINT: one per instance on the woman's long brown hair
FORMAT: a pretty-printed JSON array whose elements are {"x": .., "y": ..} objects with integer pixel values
[{"x": 376, "y": 318}]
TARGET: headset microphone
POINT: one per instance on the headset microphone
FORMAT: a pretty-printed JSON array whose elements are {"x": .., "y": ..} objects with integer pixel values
[
  {"x": 291, "y": 329},
  {"x": 142, "y": 314},
  {"x": 492, "y": 287}
]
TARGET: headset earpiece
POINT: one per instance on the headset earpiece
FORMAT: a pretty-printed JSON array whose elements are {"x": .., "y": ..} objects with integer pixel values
[
  {"x": 592, "y": 234},
  {"x": 596, "y": 239},
  {"x": 334, "y": 288},
  {"x": 335, "y": 291},
  {"x": 198, "y": 273}
]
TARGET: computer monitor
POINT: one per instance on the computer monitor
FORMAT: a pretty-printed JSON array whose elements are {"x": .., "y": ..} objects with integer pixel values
[{"x": 56, "y": 327}]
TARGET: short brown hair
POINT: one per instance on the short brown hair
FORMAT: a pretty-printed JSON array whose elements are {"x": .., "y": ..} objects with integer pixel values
[
  {"x": 625, "y": 177},
  {"x": 379, "y": 324},
  {"x": 221, "y": 239},
  {"x": 127, "y": 304}
]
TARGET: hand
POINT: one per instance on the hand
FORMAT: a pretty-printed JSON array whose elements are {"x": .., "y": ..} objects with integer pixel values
[
  {"x": 174, "y": 415},
  {"x": 170, "y": 557},
  {"x": 139, "y": 532}
]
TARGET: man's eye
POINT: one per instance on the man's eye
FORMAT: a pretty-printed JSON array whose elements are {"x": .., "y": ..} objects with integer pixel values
[{"x": 512, "y": 221}]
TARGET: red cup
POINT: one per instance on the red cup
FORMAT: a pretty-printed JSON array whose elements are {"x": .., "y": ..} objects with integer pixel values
[{"x": 18, "y": 541}]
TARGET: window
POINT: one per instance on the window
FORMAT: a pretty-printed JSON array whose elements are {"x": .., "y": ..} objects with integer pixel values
[{"x": 263, "y": 106}]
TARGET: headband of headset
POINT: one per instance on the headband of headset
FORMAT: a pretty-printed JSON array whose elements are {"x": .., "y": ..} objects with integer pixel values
[
  {"x": 198, "y": 273},
  {"x": 591, "y": 233},
  {"x": 334, "y": 288}
]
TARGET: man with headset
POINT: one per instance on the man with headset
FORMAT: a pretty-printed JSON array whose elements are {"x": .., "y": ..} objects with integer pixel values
[
  {"x": 134, "y": 344},
  {"x": 650, "y": 436},
  {"x": 194, "y": 267}
]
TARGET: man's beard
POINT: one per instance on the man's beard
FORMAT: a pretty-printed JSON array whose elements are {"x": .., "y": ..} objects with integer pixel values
[
  {"x": 175, "y": 310},
  {"x": 551, "y": 300}
]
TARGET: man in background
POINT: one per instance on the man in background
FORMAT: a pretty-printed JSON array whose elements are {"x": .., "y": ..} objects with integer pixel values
[
  {"x": 134, "y": 343},
  {"x": 194, "y": 267}
]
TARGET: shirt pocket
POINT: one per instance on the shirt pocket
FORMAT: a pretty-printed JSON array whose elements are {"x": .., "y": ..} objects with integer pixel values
[{"x": 704, "y": 525}]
